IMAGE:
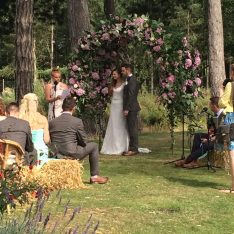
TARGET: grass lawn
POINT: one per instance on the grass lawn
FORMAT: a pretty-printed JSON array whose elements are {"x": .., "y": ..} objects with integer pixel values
[{"x": 146, "y": 196}]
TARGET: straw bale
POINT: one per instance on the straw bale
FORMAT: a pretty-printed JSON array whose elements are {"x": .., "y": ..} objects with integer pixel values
[{"x": 56, "y": 174}]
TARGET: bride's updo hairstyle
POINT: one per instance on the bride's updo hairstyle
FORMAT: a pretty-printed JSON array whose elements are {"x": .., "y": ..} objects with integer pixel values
[{"x": 28, "y": 111}]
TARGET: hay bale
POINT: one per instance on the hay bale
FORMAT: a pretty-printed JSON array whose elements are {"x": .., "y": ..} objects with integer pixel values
[
  {"x": 217, "y": 159},
  {"x": 56, "y": 174}
]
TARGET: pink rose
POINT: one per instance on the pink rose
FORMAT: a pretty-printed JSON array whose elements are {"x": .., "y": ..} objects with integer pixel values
[
  {"x": 164, "y": 96},
  {"x": 130, "y": 33},
  {"x": 198, "y": 81},
  {"x": 108, "y": 72},
  {"x": 105, "y": 37},
  {"x": 190, "y": 83},
  {"x": 195, "y": 94},
  {"x": 72, "y": 81},
  {"x": 156, "y": 48},
  {"x": 171, "y": 94},
  {"x": 159, "y": 30},
  {"x": 171, "y": 79},
  {"x": 80, "y": 92},
  {"x": 159, "y": 60},
  {"x": 75, "y": 68},
  {"x": 98, "y": 89},
  {"x": 95, "y": 76},
  {"x": 188, "y": 63},
  {"x": 164, "y": 85},
  {"x": 160, "y": 41},
  {"x": 197, "y": 61},
  {"x": 105, "y": 91}
]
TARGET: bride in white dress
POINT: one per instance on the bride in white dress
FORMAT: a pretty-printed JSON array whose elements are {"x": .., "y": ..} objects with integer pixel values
[{"x": 116, "y": 139}]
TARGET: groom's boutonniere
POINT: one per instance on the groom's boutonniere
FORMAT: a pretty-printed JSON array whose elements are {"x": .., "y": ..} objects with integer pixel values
[{"x": 126, "y": 82}]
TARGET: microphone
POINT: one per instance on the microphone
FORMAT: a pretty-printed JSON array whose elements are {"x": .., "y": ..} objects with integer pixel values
[
  {"x": 205, "y": 109},
  {"x": 55, "y": 85}
]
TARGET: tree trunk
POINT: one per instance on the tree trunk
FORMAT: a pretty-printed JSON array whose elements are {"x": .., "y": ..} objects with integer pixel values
[
  {"x": 24, "y": 48},
  {"x": 216, "y": 47},
  {"x": 109, "y": 8},
  {"x": 78, "y": 19}
]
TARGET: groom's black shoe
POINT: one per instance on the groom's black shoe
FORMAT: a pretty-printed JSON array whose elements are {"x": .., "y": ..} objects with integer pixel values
[{"x": 130, "y": 153}]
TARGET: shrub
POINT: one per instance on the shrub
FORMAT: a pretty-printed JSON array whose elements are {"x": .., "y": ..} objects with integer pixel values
[
  {"x": 152, "y": 111},
  {"x": 8, "y": 95}
]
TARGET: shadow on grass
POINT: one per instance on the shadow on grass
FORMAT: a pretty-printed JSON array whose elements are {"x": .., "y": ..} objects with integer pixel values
[{"x": 194, "y": 182}]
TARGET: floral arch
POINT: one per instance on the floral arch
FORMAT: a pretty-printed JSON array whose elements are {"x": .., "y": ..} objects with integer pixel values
[{"x": 98, "y": 53}]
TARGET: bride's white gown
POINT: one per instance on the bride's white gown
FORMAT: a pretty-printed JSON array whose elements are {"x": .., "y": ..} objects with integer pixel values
[{"x": 116, "y": 139}]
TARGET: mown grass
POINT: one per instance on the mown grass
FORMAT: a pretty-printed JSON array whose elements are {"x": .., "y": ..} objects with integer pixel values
[{"x": 146, "y": 196}]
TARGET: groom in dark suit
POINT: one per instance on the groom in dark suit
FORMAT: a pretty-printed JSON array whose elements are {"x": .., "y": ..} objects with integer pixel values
[
  {"x": 69, "y": 138},
  {"x": 131, "y": 108}
]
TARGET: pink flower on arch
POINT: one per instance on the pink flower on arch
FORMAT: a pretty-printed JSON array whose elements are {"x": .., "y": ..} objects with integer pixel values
[
  {"x": 105, "y": 37},
  {"x": 160, "y": 41},
  {"x": 72, "y": 81},
  {"x": 197, "y": 61},
  {"x": 171, "y": 94},
  {"x": 198, "y": 81},
  {"x": 164, "y": 85},
  {"x": 157, "y": 48},
  {"x": 159, "y": 60},
  {"x": 159, "y": 30},
  {"x": 75, "y": 68},
  {"x": 188, "y": 63},
  {"x": 138, "y": 21},
  {"x": 105, "y": 91},
  {"x": 171, "y": 78},
  {"x": 80, "y": 92},
  {"x": 195, "y": 93},
  {"x": 189, "y": 82},
  {"x": 95, "y": 76},
  {"x": 164, "y": 96}
]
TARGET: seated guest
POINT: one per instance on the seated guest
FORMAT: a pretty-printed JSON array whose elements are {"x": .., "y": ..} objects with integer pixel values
[
  {"x": 2, "y": 110},
  {"x": 200, "y": 141},
  {"x": 38, "y": 124},
  {"x": 18, "y": 130},
  {"x": 69, "y": 138}
]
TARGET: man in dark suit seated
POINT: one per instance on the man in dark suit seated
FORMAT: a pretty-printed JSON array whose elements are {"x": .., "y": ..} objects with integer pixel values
[
  {"x": 69, "y": 138},
  {"x": 200, "y": 141},
  {"x": 18, "y": 130}
]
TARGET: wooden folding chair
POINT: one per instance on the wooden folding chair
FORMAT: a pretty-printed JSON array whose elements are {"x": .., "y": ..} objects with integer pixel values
[{"x": 9, "y": 148}]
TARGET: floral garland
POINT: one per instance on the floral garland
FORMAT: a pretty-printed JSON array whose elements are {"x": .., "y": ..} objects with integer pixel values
[{"x": 100, "y": 52}]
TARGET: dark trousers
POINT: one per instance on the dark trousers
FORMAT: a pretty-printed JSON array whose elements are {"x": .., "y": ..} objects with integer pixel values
[
  {"x": 132, "y": 124},
  {"x": 30, "y": 158},
  {"x": 90, "y": 149},
  {"x": 199, "y": 148}
]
